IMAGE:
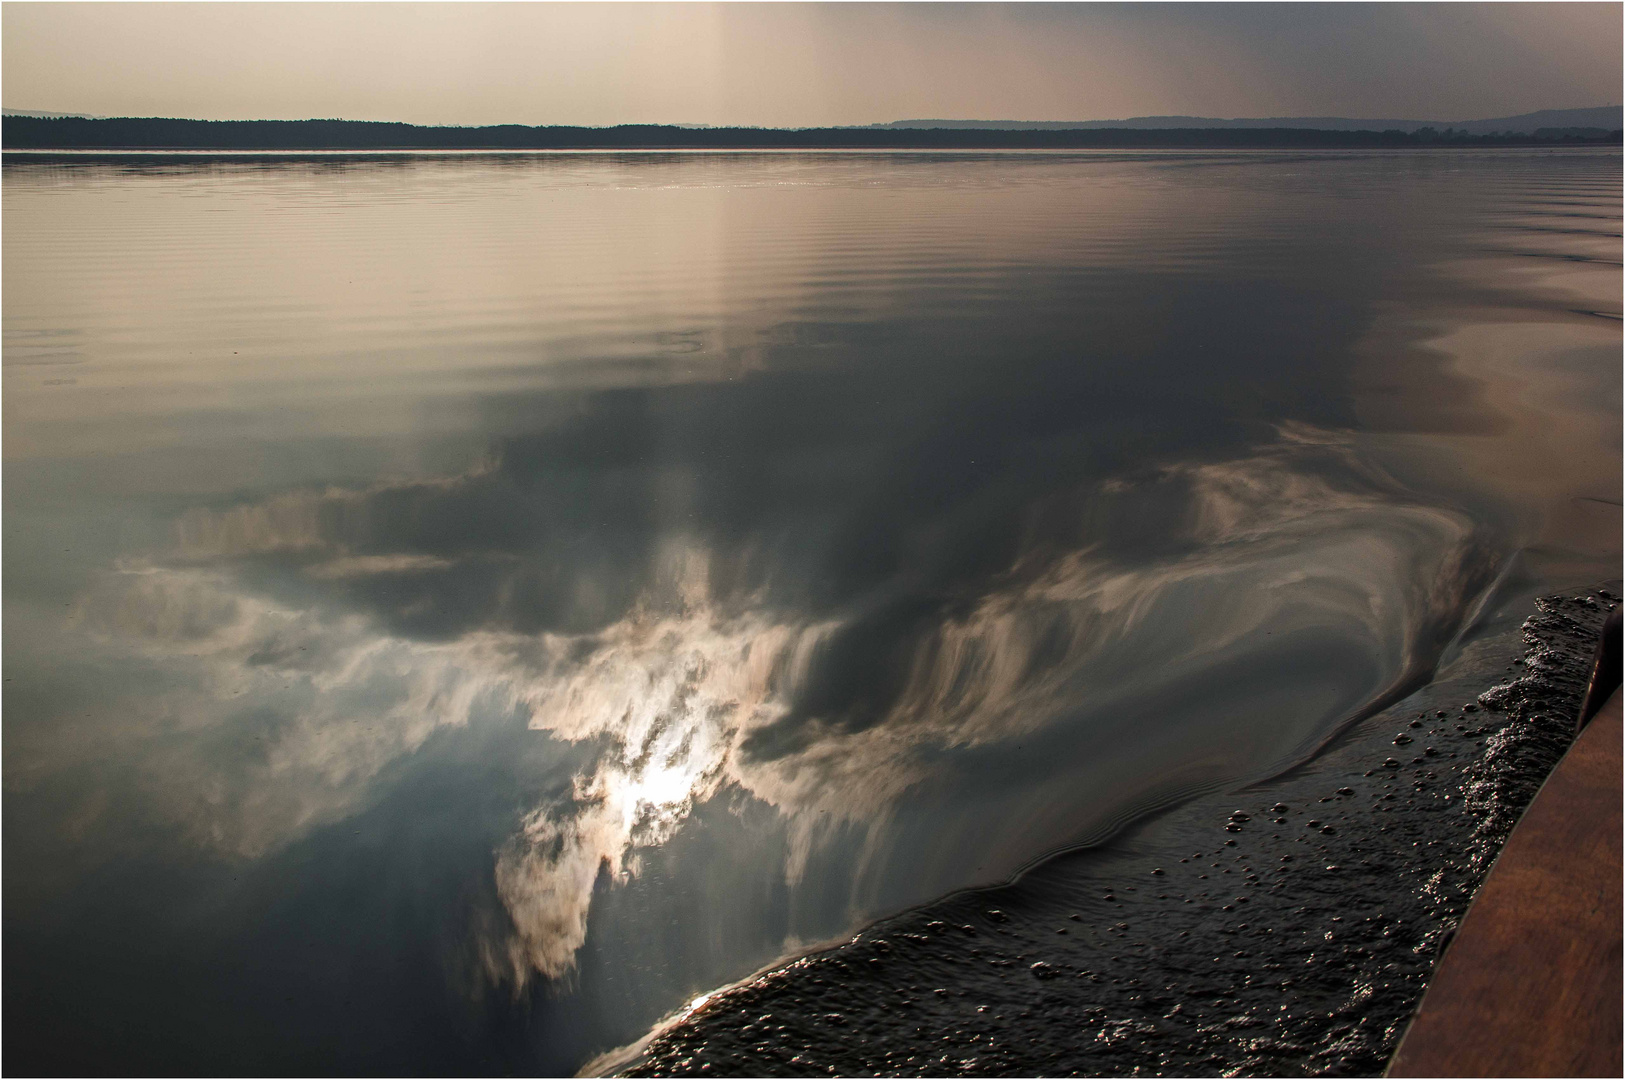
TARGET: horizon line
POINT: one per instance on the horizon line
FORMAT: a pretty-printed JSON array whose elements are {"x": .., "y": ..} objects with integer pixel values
[{"x": 47, "y": 114}]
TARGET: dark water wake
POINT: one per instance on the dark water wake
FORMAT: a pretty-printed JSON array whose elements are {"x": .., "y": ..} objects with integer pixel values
[{"x": 1287, "y": 929}]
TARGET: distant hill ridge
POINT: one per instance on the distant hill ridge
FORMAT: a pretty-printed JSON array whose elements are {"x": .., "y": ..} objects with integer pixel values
[
  {"x": 40, "y": 114},
  {"x": 1605, "y": 118},
  {"x": 119, "y": 134}
]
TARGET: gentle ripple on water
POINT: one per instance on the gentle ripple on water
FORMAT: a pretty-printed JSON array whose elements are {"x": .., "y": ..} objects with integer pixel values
[{"x": 464, "y": 607}]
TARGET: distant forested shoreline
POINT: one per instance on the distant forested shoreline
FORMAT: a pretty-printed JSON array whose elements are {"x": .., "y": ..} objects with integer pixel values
[{"x": 78, "y": 133}]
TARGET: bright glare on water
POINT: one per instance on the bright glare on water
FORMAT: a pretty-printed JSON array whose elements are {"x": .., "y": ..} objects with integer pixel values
[{"x": 461, "y": 609}]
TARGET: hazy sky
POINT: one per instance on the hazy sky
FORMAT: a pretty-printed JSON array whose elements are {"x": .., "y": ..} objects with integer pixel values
[{"x": 806, "y": 64}]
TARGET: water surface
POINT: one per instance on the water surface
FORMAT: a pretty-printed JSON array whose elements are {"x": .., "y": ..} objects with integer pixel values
[{"x": 463, "y": 607}]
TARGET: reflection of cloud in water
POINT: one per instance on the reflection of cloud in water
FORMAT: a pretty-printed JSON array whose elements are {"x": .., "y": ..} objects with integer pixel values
[
  {"x": 319, "y": 702},
  {"x": 696, "y": 686}
]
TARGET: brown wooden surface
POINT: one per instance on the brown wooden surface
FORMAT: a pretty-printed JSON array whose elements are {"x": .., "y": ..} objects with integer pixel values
[{"x": 1531, "y": 984}]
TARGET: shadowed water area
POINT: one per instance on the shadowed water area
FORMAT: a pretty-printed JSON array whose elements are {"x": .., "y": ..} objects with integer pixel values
[{"x": 463, "y": 608}]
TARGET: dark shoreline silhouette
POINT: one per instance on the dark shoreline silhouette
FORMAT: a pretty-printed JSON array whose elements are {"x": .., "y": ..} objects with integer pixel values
[{"x": 76, "y": 133}]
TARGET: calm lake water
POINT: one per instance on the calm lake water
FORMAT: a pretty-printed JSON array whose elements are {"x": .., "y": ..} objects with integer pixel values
[{"x": 461, "y": 608}]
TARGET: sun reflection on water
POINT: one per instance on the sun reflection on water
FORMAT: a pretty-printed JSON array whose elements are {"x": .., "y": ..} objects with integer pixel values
[{"x": 668, "y": 696}]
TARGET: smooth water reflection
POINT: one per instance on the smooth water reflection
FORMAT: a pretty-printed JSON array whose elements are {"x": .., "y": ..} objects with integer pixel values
[{"x": 462, "y": 609}]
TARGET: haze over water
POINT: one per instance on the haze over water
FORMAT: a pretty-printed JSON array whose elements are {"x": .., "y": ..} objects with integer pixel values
[{"x": 462, "y": 608}]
